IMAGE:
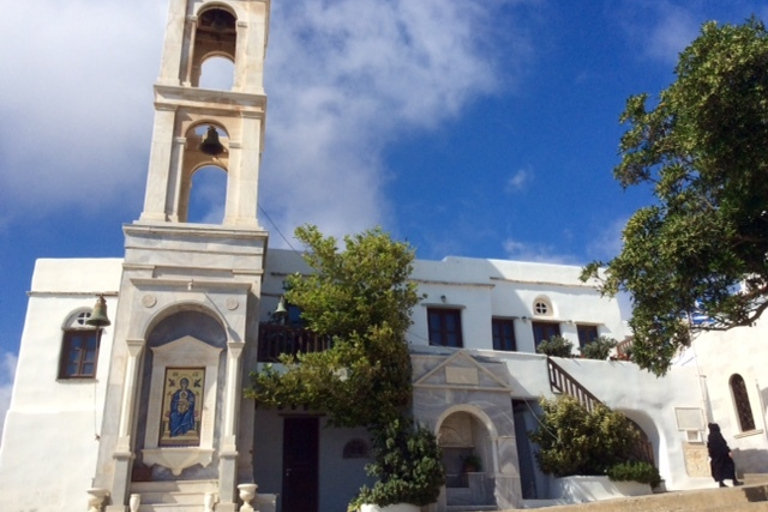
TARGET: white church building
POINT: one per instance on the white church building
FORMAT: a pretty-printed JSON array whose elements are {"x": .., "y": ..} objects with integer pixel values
[{"x": 144, "y": 411}]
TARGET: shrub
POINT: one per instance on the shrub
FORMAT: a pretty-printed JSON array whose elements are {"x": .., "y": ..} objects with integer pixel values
[
  {"x": 556, "y": 346},
  {"x": 575, "y": 441},
  {"x": 635, "y": 471},
  {"x": 408, "y": 465},
  {"x": 599, "y": 348}
]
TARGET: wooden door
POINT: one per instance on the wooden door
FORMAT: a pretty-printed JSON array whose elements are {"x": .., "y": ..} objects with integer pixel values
[{"x": 300, "y": 465}]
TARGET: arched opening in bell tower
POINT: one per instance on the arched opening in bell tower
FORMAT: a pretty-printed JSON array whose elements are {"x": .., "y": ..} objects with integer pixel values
[
  {"x": 207, "y": 192},
  {"x": 203, "y": 187},
  {"x": 215, "y": 35},
  {"x": 218, "y": 73}
]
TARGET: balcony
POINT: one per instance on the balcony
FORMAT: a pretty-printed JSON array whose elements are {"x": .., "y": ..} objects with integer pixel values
[{"x": 277, "y": 339}]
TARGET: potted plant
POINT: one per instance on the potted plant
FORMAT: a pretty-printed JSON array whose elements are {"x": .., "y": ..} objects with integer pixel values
[
  {"x": 599, "y": 348},
  {"x": 408, "y": 465},
  {"x": 555, "y": 346},
  {"x": 472, "y": 464}
]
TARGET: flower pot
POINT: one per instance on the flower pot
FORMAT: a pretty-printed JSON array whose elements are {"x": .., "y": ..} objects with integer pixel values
[{"x": 397, "y": 507}]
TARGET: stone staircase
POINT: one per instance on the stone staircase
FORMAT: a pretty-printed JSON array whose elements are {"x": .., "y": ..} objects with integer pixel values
[
  {"x": 179, "y": 496},
  {"x": 750, "y": 497}
]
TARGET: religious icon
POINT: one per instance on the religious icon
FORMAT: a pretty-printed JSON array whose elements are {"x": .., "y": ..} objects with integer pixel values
[{"x": 182, "y": 406}]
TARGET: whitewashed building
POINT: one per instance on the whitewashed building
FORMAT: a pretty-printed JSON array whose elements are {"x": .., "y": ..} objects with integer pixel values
[{"x": 147, "y": 414}]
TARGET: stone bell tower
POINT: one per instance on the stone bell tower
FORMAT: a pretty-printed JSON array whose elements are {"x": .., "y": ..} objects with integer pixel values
[{"x": 175, "y": 428}]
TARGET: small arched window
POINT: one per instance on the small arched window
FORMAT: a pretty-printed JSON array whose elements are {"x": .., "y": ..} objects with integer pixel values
[
  {"x": 542, "y": 307},
  {"x": 741, "y": 402},
  {"x": 79, "y": 347}
]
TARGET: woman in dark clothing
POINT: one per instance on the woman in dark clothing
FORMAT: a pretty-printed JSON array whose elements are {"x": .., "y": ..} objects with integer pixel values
[{"x": 720, "y": 461}]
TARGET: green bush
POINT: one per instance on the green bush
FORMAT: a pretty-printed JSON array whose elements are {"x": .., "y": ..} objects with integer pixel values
[
  {"x": 556, "y": 346},
  {"x": 599, "y": 348},
  {"x": 575, "y": 441},
  {"x": 634, "y": 471},
  {"x": 408, "y": 465}
]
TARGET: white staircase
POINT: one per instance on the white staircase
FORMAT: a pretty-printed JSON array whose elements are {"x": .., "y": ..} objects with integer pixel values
[{"x": 179, "y": 496}]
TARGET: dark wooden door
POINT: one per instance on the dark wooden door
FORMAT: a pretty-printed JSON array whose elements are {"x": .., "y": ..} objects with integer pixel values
[{"x": 300, "y": 465}]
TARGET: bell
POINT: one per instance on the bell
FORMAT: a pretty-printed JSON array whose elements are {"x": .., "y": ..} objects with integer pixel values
[
  {"x": 281, "y": 307},
  {"x": 99, "y": 317},
  {"x": 211, "y": 145}
]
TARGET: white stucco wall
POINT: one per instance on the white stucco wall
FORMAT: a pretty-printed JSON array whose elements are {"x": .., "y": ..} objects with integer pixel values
[
  {"x": 50, "y": 443},
  {"x": 482, "y": 289},
  {"x": 651, "y": 402},
  {"x": 720, "y": 355}
]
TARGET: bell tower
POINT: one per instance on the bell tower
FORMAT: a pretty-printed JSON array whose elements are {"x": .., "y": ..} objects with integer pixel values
[
  {"x": 187, "y": 116},
  {"x": 176, "y": 428}
]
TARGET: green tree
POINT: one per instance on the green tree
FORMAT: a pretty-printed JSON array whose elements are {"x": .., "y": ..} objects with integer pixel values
[
  {"x": 575, "y": 441},
  {"x": 362, "y": 298},
  {"x": 703, "y": 149},
  {"x": 407, "y": 465}
]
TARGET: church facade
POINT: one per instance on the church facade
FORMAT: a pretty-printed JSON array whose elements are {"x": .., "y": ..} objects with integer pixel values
[{"x": 144, "y": 411}]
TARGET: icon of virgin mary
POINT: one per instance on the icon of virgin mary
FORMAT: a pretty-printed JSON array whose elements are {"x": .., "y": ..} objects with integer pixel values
[{"x": 182, "y": 417}]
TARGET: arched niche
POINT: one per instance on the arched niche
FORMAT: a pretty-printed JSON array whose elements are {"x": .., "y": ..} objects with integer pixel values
[
  {"x": 466, "y": 439},
  {"x": 180, "y": 395},
  {"x": 215, "y": 34},
  {"x": 649, "y": 433}
]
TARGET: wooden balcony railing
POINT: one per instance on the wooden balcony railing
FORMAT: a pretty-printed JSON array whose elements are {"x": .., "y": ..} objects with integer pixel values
[
  {"x": 281, "y": 339},
  {"x": 562, "y": 382},
  {"x": 623, "y": 348}
]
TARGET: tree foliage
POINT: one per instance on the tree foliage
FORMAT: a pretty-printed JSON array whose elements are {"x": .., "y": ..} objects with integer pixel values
[
  {"x": 575, "y": 441},
  {"x": 407, "y": 465},
  {"x": 362, "y": 298},
  {"x": 703, "y": 149}
]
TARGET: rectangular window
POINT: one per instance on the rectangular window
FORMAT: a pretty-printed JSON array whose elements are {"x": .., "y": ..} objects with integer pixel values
[
  {"x": 545, "y": 330},
  {"x": 587, "y": 334},
  {"x": 80, "y": 351},
  {"x": 503, "y": 334},
  {"x": 444, "y": 327}
]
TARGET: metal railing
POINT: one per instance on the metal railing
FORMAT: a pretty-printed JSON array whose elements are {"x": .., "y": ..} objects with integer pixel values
[{"x": 281, "y": 339}]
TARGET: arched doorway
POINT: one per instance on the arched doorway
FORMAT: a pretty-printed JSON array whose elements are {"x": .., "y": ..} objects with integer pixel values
[{"x": 468, "y": 457}]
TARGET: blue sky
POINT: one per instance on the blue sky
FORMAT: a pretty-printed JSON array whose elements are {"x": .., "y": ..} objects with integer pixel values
[{"x": 482, "y": 128}]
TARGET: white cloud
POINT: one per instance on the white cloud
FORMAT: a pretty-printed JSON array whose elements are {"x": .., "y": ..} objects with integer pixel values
[
  {"x": 344, "y": 79},
  {"x": 7, "y": 372},
  {"x": 518, "y": 181},
  {"x": 348, "y": 77},
  {"x": 75, "y": 99},
  {"x": 539, "y": 253},
  {"x": 607, "y": 242},
  {"x": 675, "y": 28},
  {"x": 661, "y": 29}
]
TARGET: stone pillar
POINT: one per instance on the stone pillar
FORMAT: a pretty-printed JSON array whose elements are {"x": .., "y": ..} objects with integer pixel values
[
  {"x": 187, "y": 55},
  {"x": 173, "y": 44},
  {"x": 246, "y": 201},
  {"x": 155, "y": 207},
  {"x": 124, "y": 451},
  {"x": 175, "y": 178},
  {"x": 228, "y": 451},
  {"x": 241, "y": 57}
]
